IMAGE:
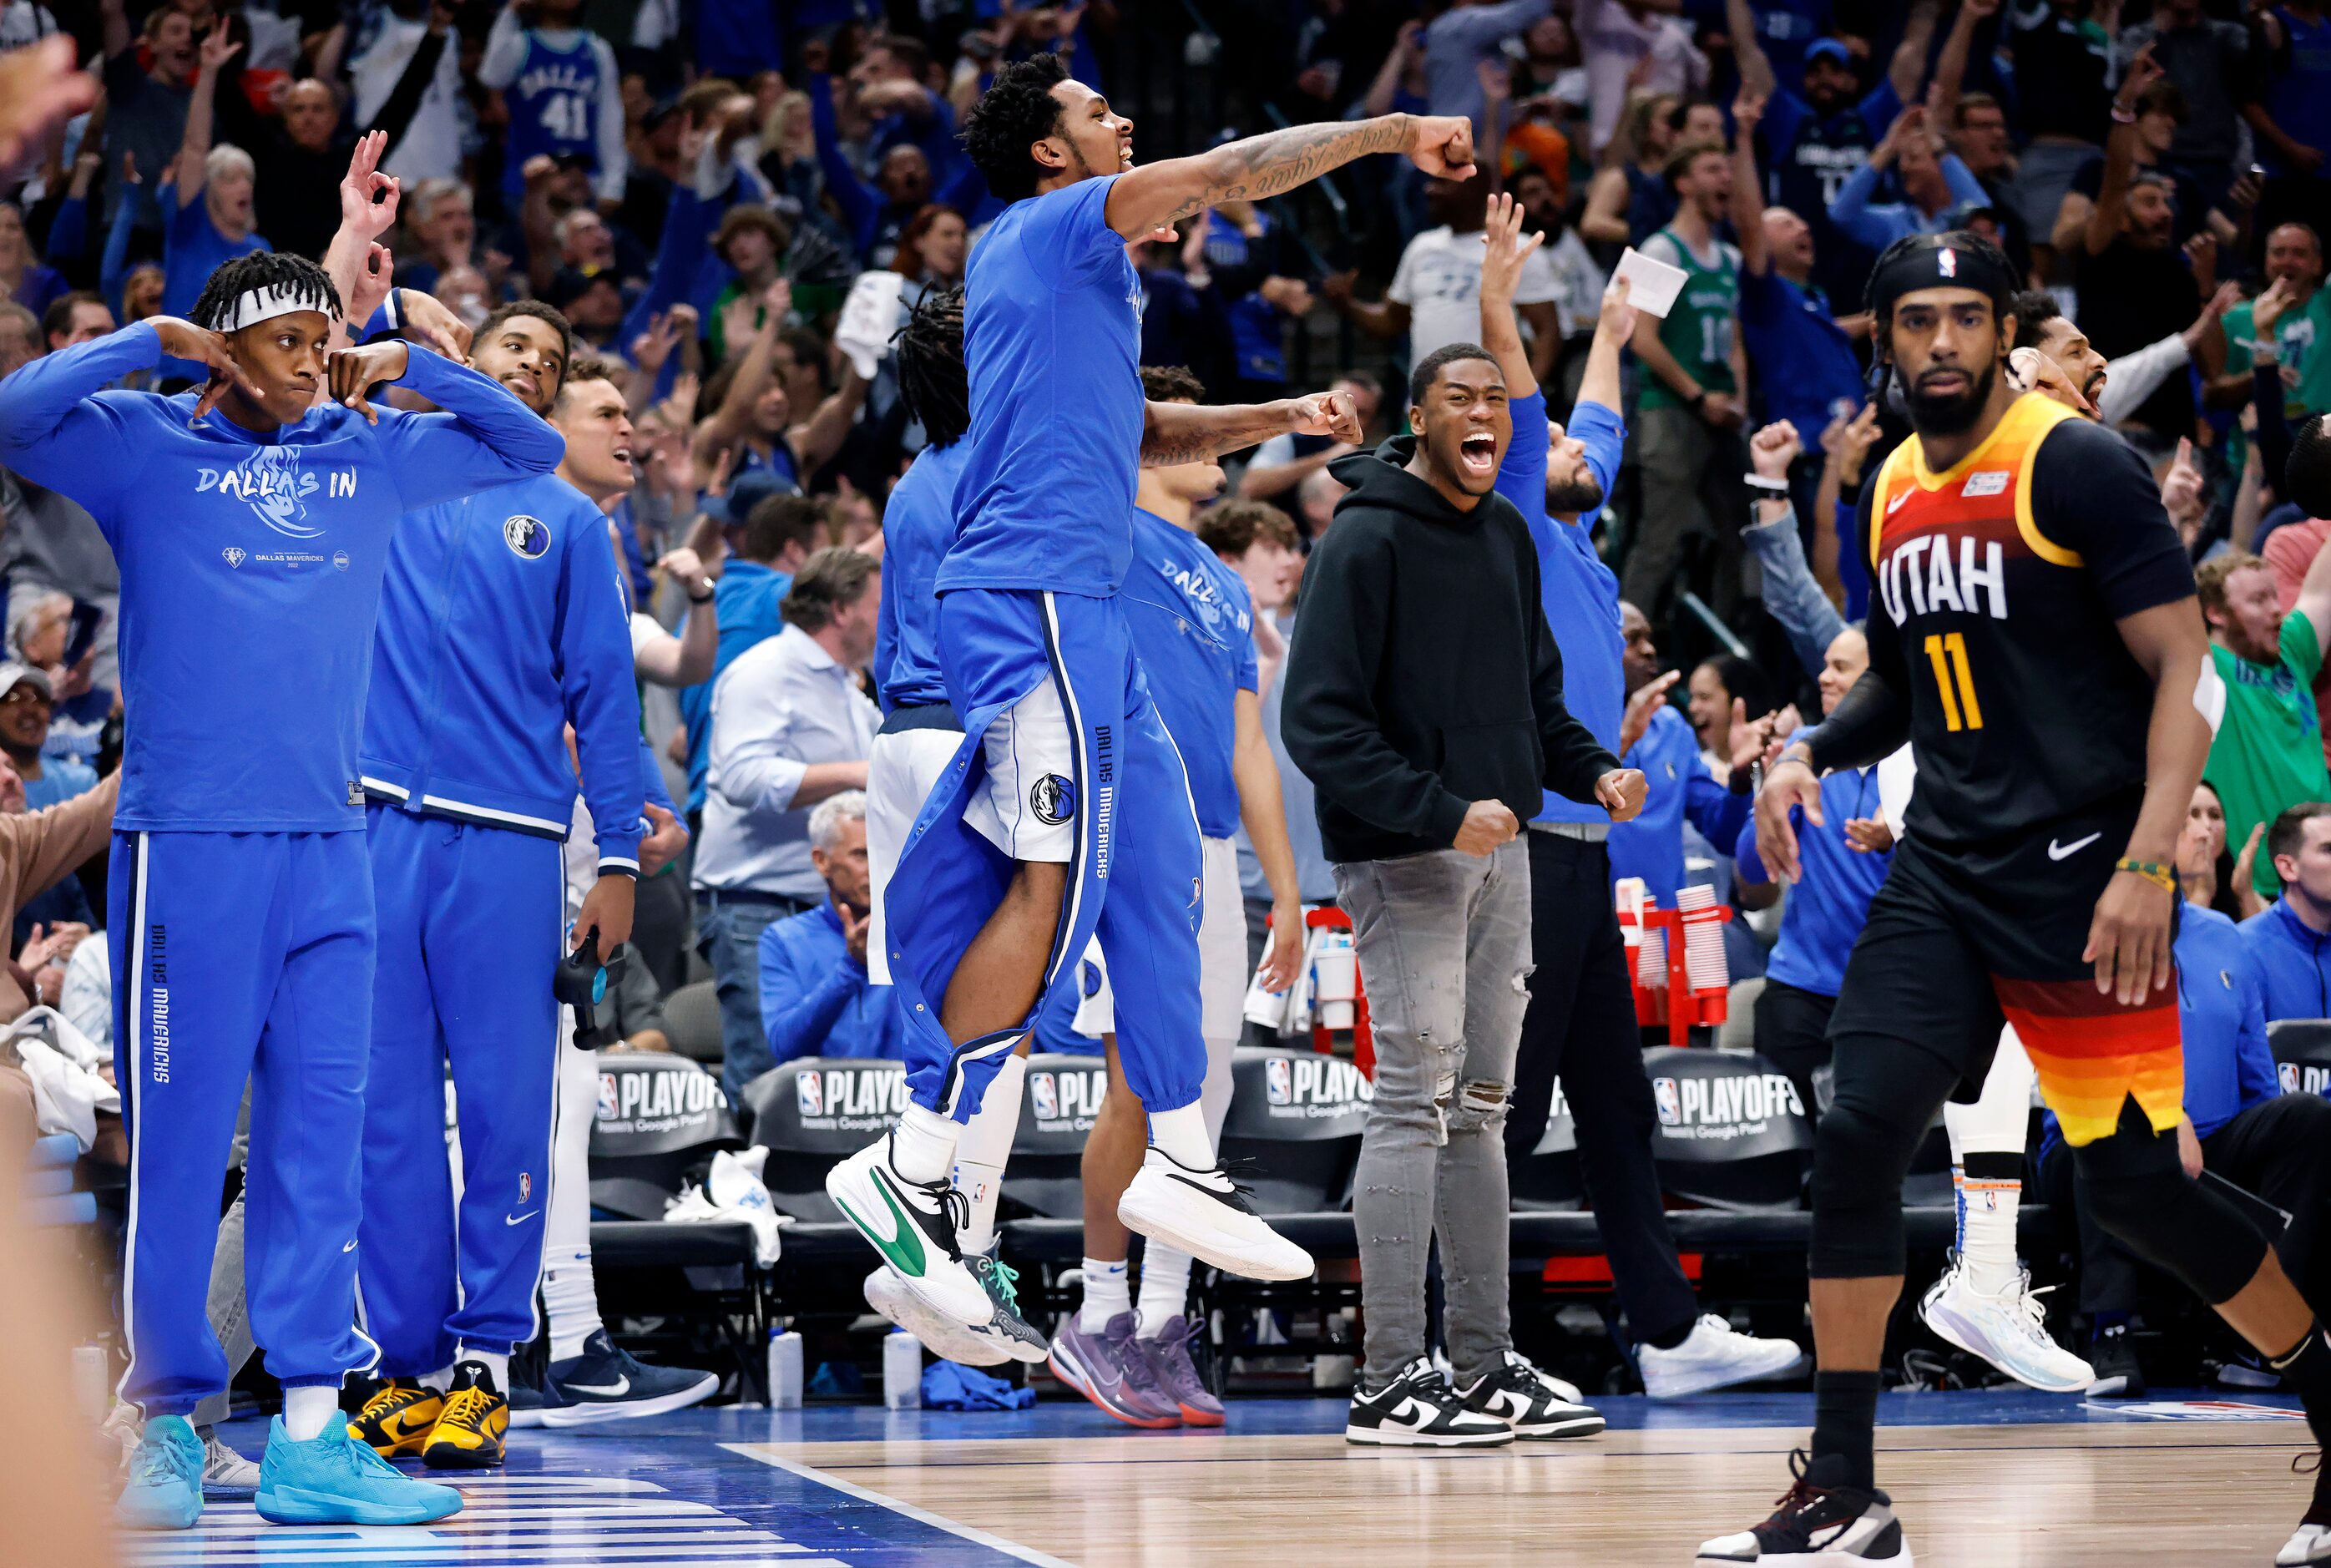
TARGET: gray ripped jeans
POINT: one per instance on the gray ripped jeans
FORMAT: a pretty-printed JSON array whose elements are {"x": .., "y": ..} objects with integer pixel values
[{"x": 1444, "y": 950}]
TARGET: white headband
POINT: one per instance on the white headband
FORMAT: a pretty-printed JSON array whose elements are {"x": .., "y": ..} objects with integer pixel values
[{"x": 253, "y": 305}]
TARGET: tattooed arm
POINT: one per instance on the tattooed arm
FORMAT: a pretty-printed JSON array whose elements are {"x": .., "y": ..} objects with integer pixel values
[
  {"x": 1260, "y": 166},
  {"x": 1180, "y": 432}
]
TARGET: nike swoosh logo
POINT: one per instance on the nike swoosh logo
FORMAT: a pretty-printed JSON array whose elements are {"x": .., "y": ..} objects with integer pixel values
[
  {"x": 2057, "y": 852},
  {"x": 615, "y": 1390},
  {"x": 520, "y": 1219},
  {"x": 1895, "y": 504},
  {"x": 902, "y": 1247},
  {"x": 349, "y": 1248}
]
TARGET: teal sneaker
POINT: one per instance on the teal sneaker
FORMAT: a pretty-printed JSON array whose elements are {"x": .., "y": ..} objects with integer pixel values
[
  {"x": 165, "y": 1489},
  {"x": 335, "y": 1479}
]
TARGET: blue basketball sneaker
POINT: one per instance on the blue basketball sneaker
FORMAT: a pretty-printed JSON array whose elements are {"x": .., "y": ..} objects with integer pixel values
[
  {"x": 336, "y": 1480},
  {"x": 165, "y": 1489}
]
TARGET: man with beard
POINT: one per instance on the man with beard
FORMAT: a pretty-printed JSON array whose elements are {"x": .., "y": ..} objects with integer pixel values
[
  {"x": 2038, "y": 643},
  {"x": 1580, "y": 1024}
]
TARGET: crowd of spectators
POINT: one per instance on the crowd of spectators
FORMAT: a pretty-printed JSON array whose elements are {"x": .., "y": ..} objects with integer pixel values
[{"x": 698, "y": 188}]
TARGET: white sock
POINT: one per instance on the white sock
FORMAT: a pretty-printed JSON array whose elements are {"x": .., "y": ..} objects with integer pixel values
[
  {"x": 981, "y": 1152},
  {"x": 1165, "y": 1287},
  {"x": 439, "y": 1380},
  {"x": 922, "y": 1146},
  {"x": 309, "y": 1413},
  {"x": 1107, "y": 1292},
  {"x": 570, "y": 1299},
  {"x": 1182, "y": 1135},
  {"x": 494, "y": 1361},
  {"x": 1987, "y": 1167}
]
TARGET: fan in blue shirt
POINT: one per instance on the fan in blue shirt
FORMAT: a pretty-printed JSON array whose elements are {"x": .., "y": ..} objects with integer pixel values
[
  {"x": 2291, "y": 940},
  {"x": 252, "y": 523}
]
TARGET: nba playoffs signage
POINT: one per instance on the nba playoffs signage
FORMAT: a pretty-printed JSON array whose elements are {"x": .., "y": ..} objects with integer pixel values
[
  {"x": 1064, "y": 1095},
  {"x": 1718, "y": 1106},
  {"x": 650, "y": 1102},
  {"x": 1300, "y": 1093},
  {"x": 2302, "y": 1054},
  {"x": 853, "y": 1097}
]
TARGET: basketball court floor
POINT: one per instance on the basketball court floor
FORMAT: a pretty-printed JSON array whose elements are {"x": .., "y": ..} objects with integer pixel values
[{"x": 1984, "y": 1480}]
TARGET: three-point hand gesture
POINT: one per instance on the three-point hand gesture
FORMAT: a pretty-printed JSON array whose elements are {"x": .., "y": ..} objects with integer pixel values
[
  {"x": 368, "y": 198},
  {"x": 355, "y": 372},
  {"x": 184, "y": 340}
]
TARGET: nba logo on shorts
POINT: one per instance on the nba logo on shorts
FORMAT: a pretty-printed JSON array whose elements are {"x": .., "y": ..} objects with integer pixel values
[
  {"x": 1044, "y": 1095},
  {"x": 525, "y": 1186},
  {"x": 607, "y": 1096},
  {"x": 1277, "y": 1081},
  {"x": 1671, "y": 1108},
  {"x": 806, "y": 1096}
]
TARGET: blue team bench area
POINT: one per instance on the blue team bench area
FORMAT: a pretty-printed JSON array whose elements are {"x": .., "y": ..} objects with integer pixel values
[{"x": 1733, "y": 1151}]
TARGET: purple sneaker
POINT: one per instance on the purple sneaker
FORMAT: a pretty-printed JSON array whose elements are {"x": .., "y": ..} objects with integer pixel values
[
  {"x": 1177, "y": 1376},
  {"x": 1110, "y": 1370}
]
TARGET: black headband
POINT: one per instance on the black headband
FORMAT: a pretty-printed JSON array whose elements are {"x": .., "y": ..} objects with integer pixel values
[{"x": 1953, "y": 261}]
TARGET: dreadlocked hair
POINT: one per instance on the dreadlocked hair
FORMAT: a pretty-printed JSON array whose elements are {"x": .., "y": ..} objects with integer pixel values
[
  {"x": 262, "y": 270},
  {"x": 932, "y": 380},
  {"x": 1017, "y": 109}
]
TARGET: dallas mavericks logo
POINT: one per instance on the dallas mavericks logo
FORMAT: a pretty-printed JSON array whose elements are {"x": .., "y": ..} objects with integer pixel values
[
  {"x": 1053, "y": 798},
  {"x": 809, "y": 1097},
  {"x": 525, "y": 535},
  {"x": 272, "y": 484}
]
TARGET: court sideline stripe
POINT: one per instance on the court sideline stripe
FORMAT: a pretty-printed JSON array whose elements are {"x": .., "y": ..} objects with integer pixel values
[{"x": 920, "y": 1516}]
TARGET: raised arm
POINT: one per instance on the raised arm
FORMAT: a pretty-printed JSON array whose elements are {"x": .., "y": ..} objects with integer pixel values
[
  {"x": 1605, "y": 221},
  {"x": 2315, "y": 597},
  {"x": 195, "y": 146},
  {"x": 1958, "y": 45},
  {"x": 1849, "y": 209},
  {"x": 726, "y": 426},
  {"x": 1908, "y": 69},
  {"x": 820, "y": 436},
  {"x": 1747, "y": 185},
  {"x": 505, "y": 50},
  {"x": 1377, "y": 101},
  {"x": 2120, "y": 156},
  {"x": 614, "y": 153},
  {"x": 1158, "y": 194},
  {"x": 1756, "y": 79},
  {"x": 1615, "y": 326},
  {"x": 1180, "y": 432},
  {"x": 859, "y": 201},
  {"x": 1505, "y": 250},
  {"x": 368, "y": 207}
]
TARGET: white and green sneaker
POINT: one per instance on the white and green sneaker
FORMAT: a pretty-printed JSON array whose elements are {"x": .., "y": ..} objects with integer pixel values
[{"x": 912, "y": 1224}]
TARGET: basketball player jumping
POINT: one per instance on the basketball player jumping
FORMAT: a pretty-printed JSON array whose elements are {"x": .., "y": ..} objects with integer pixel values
[
  {"x": 1018, "y": 860},
  {"x": 2038, "y": 643}
]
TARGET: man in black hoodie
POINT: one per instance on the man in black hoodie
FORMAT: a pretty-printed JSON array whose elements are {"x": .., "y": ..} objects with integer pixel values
[{"x": 1424, "y": 703}]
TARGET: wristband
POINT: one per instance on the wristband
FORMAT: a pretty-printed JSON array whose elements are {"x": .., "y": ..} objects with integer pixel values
[
  {"x": 2123, "y": 116},
  {"x": 2153, "y": 871},
  {"x": 1756, "y": 481}
]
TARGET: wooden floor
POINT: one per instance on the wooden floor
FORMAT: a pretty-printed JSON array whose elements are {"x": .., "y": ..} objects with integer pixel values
[{"x": 2165, "y": 1494}]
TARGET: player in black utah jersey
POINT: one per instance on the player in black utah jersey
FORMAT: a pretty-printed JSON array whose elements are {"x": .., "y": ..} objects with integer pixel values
[{"x": 2037, "y": 640}]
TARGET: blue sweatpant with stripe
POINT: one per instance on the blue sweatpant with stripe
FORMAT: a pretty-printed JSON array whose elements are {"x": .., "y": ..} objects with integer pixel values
[
  {"x": 1133, "y": 870},
  {"x": 472, "y": 930},
  {"x": 236, "y": 956}
]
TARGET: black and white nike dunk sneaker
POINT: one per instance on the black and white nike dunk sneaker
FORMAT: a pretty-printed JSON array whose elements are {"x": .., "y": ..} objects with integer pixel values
[
  {"x": 1819, "y": 1523},
  {"x": 1519, "y": 1394},
  {"x": 1419, "y": 1410}
]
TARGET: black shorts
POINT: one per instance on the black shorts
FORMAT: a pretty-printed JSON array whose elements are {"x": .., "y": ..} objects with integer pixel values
[{"x": 1962, "y": 941}]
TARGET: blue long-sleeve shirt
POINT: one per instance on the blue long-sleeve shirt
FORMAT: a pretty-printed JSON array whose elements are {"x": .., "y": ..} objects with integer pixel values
[
  {"x": 1791, "y": 591},
  {"x": 815, "y": 998},
  {"x": 1682, "y": 789},
  {"x": 747, "y": 599},
  {"x": 1579, "y": 593},
  {"x": 502, "y": 620},
  {"x": 1828, "y": 906},
  {"x": 1879, "y": 224},
  {"x": 250, "y": 567},
  {"x": 2294, "y": 962},
  {"x": 1459, "y": 40},
  {"x": 918, "y": 530}
]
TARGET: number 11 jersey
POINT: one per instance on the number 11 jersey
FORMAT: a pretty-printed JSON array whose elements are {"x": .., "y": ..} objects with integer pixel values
[{"x": 1997, "y": 584}]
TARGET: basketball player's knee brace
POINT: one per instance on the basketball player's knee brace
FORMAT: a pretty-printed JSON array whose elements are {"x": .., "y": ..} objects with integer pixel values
[
  {"x": 1860, "y": 1154},
  {"x": 2134, "y": 1188}
]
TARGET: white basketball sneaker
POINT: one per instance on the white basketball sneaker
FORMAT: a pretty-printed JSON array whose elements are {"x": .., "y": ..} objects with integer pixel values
[
  {"x": 2009, "y": 1330},
  {"x": 1204, "y": 1213},
  {"x": 1715, "y": 1356},
  {"x": 913, "y": 1225},
  {"x": 2311, "y": 1543},
  {"x": 942, "y": 1335}
]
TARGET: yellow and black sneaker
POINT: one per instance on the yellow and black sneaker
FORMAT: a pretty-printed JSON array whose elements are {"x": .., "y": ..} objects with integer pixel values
[
  {"x": 469, "y": 1434},
  {"x": 396, "y": 1421}
]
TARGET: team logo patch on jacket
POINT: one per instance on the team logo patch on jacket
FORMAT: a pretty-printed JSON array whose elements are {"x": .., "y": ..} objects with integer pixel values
[
  {"x": 1053, "y": 798},
  {"x": 525, "y": 535}
]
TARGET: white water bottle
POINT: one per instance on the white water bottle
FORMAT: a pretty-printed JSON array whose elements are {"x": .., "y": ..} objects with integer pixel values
[
  {"x": 1335, "y": 970},
  {"x": 902, "y": 1371},
  {"x": 784, "y": 1370}
]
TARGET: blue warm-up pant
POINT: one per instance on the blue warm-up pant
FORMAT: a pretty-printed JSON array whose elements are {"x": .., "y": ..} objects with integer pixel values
[
  {"x": 1106, "y": 767},
  {"x": 472, "y": 930},
  {"x": 240, "y": 956}
]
